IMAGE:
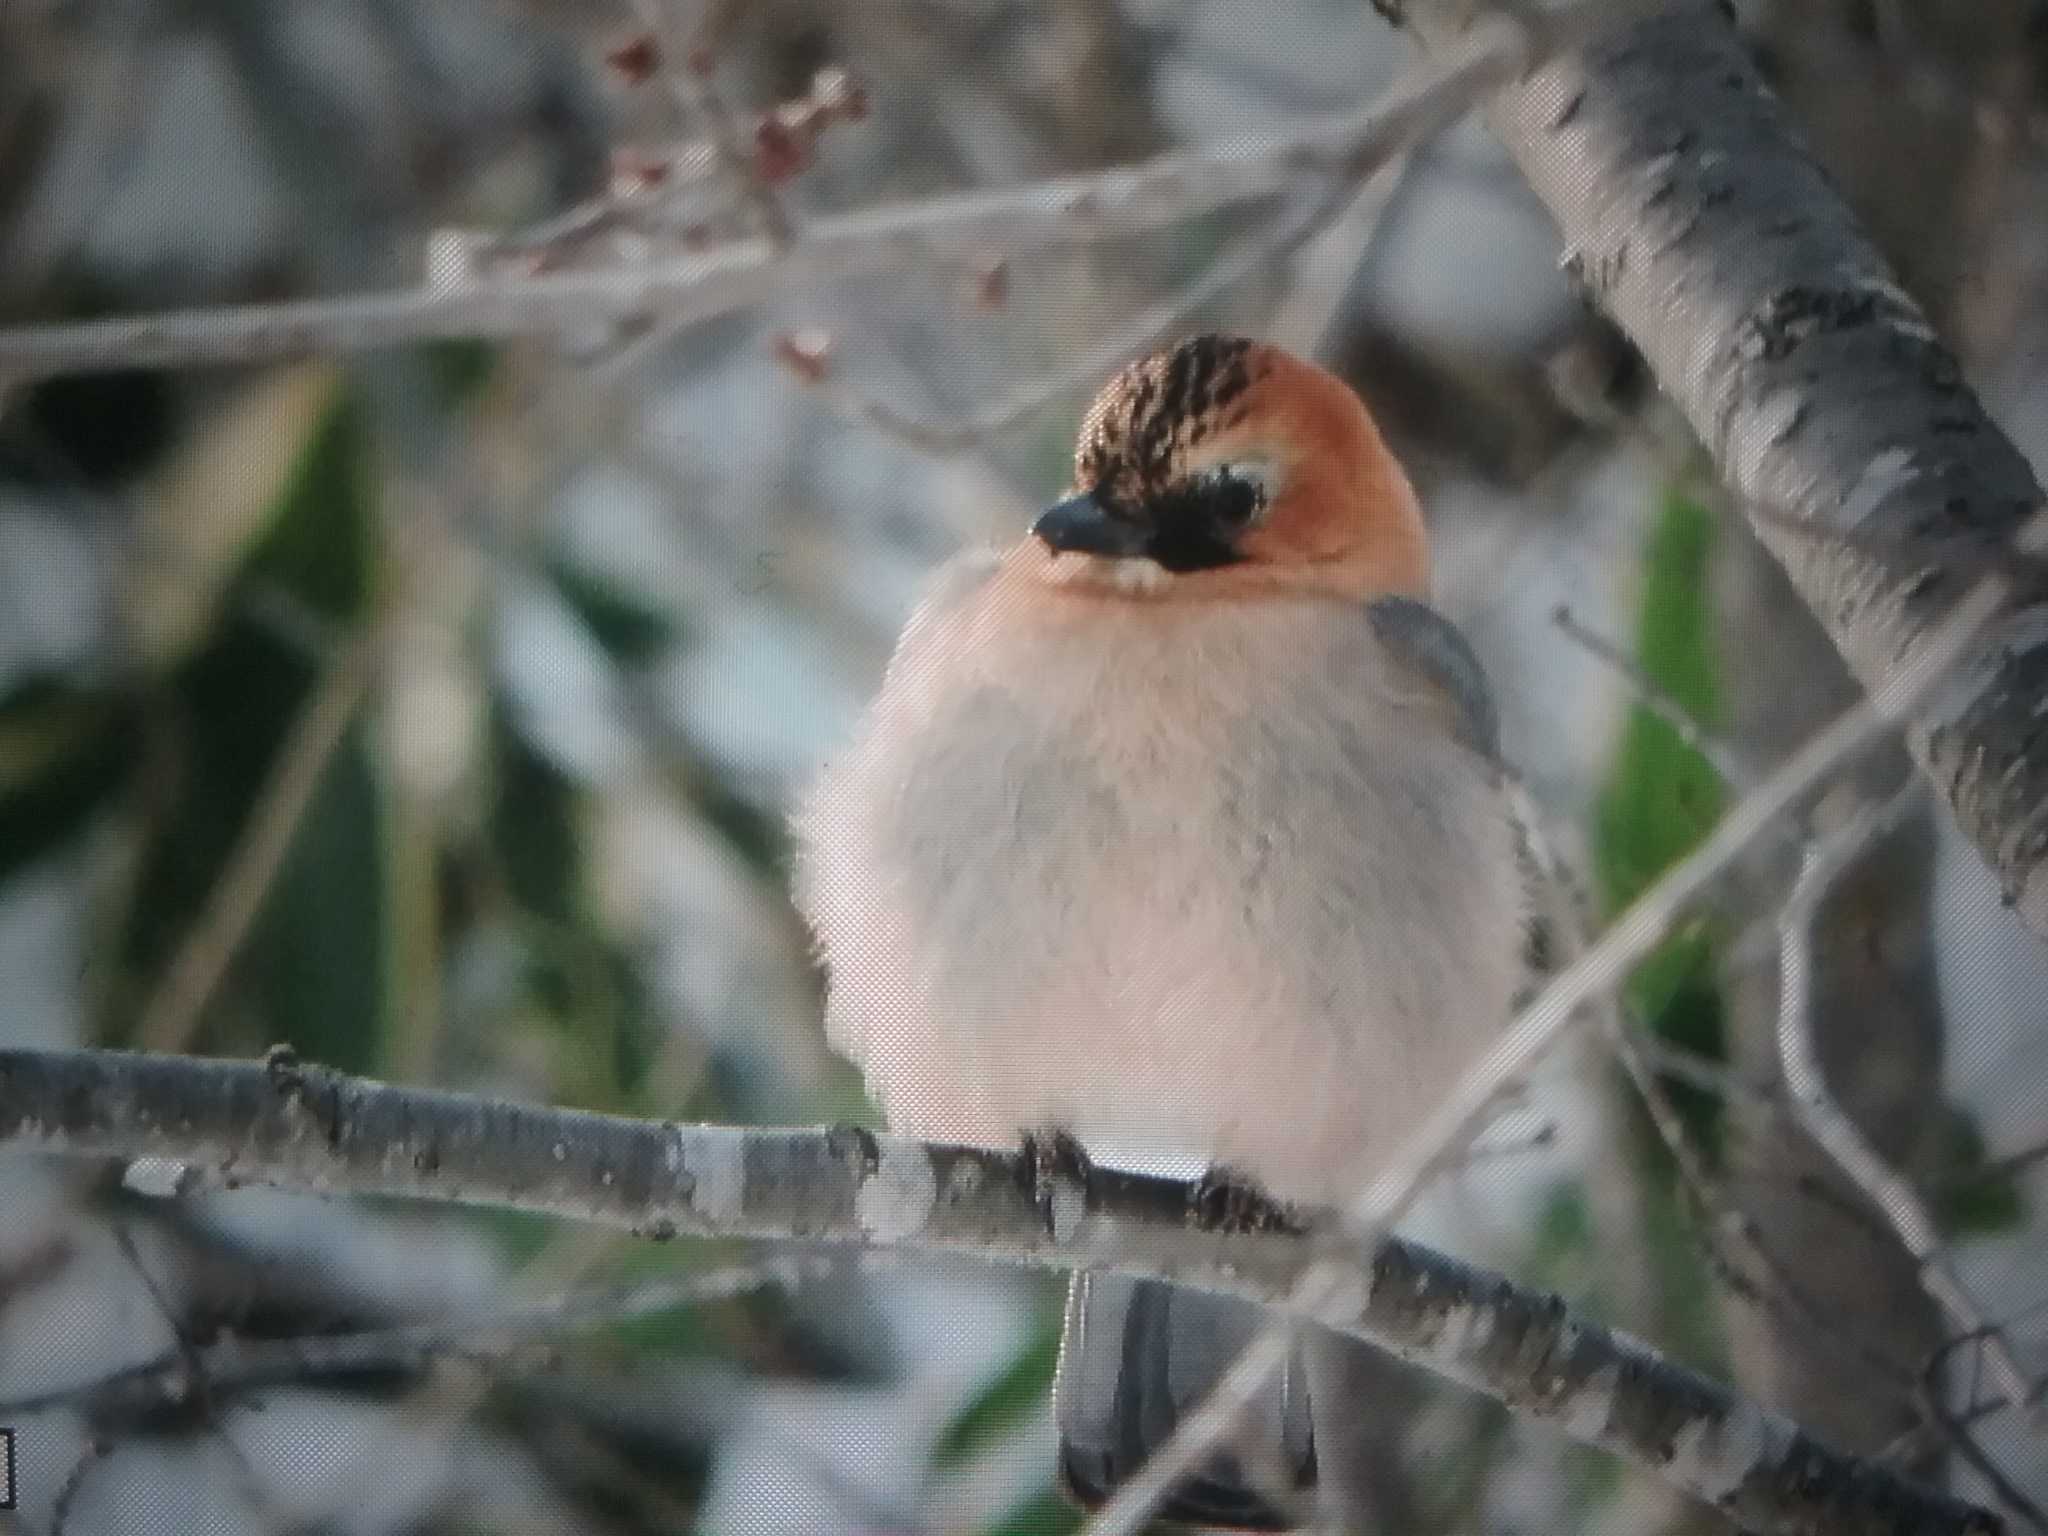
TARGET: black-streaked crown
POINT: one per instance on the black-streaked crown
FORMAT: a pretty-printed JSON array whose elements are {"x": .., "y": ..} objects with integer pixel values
[{"x": 1134, "y": 438}]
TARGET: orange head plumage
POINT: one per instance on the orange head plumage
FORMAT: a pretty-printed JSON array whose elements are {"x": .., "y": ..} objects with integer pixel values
[{"x": 1230, "y": 466}]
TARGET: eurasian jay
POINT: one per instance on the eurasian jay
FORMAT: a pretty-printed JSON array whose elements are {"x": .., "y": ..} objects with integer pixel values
[{"x": 1181, "y": 828}]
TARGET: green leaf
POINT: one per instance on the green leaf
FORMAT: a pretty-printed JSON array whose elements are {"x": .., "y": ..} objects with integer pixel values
[
  {"x": 1048, "y": 1514},
  {"x": 757, "y": 836},
  {"x": 521, "y": 1236},
  {"x": 674, "y": 1331},
  {"x": 314, "y": 967},
  {"x": 321, "y": 952},
  {"x": 631, "y": 630},
  {"x": 533, "y": 823},
  {"x": 459, "y": 367},
  {"x": 606, "y": 1026},
  {"x": 1661, "y": 798},
  {"x": 64, "y": 755},
  {"x": 322, "y": 543},
  {"x": 1562, "y": 1242},
  {"x": 1686, "y": 1288},
  {"x": 1974, "y": 1196},
  {"x": 1007, "y": 1400}
]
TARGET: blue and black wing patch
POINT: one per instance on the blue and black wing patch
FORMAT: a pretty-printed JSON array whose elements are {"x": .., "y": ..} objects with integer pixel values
[
  {"x": 1434, "y": 648},
  {"x": 1423, "y": 639}
]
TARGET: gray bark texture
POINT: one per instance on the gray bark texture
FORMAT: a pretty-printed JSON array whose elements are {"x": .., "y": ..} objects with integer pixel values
[
  {"x": 1697, "y": 220},
  {"x": 1844, "y": 1351},
  {"x": 288, "y": 1123}
]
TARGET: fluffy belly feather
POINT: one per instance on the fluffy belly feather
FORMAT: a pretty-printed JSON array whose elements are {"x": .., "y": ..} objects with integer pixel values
[{"x": 1208, "y": 885}]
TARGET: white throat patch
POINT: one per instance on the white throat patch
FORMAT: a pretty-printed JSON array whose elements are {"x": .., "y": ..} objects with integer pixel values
[
  {"x": 1131, "y": 575},
  {"x": 1136, "y": 576}
]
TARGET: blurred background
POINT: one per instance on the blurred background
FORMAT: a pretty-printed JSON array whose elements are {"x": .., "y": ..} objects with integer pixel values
[{"x": 437, "y": 711}]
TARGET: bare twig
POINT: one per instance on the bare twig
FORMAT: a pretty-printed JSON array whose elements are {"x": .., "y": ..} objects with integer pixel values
[
  {"x": 1769, "y": 1284},
  {"x": 1695, "y": 1070},
  {"x": 1822, "y": 1117},
  {"x": 1997, "y": 1168},
  {"x": 283, "y": 1122},
  {"x": 237, "y": 895},
  {"x": 1942, "y": 1425},
  {"x": 1336, "y": 197},
  {"x": 688, "y": 74},
  {"x": 653, "y": 203},
  {"x": 239, "y": 1364},
  {"x": 694, "y": 287},
  {"x": 1956, "y": 1432},
  {"x": 1156, "y": 320},
  {"x": 1331, "y": 259},
  {"x": 1719, "y": 754},
  {"x": 97, "y": 1450}
]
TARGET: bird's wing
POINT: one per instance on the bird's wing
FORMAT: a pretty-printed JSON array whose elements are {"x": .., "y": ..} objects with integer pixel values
[
  {"x": 1431, "y": 648},
  {"x": 1436, "y": 654}
]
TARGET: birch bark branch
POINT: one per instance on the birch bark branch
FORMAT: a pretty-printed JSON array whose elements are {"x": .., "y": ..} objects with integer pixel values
[
  {"x": 286, "y": 1123},
  {"x": 1696, "y": 219}
]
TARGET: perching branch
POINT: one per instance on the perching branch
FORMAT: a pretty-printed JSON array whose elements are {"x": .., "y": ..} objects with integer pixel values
[
  {"x": 1698, "y": 222},
  {"x": 285, "y": 1123}
]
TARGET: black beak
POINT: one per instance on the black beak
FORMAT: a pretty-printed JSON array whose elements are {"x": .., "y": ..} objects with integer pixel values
[{"x": 1081, "y": 525}]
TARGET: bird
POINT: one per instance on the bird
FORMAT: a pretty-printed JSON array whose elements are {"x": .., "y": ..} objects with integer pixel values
[{"x": 1181, "y": 828}]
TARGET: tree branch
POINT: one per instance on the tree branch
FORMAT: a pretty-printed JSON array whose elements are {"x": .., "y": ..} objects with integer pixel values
[
  {"x": 286, "y": 1123},
  {"x": 697, "y": 286},
  {"x": 1698, "y": 222},
  {"x": 1831, "y": 1128},
  {"x": 236, "y": 1363}
]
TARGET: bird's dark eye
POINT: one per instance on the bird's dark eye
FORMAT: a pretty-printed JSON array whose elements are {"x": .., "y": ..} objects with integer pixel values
[
  {"x": 1230, "y": 498},
  {"x": 1235, "y": 502},
  {"x": 1198, "y": 520}
]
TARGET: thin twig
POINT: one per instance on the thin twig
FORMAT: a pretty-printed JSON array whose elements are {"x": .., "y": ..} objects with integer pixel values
[
  {"x": 1341, "y": 198},
  {"x": 97, "y": 1449},
  {"x": 1720, "y": 755},
  {"x": 653, "y": 207},
  {"x": 701, "y": 93},
  {"x": 1332, "y": 258},
  {"x": 687, "y": 73},
  {"x": 237, "y": 895},
  {"x": 695, "y": 287},
  {"x": 1772, "y": 1287},
  {"x": 1695, "y": 1070},
  {"x": 1957, "y": 1433},
  {"x": 238, "y": 1364},
  {"x": 1823, "y": 1119},
  {"x": 1996, "y": 1168},
  {"x": 1723, "y": 1224},
  {"x": 1156, "y": 320}
]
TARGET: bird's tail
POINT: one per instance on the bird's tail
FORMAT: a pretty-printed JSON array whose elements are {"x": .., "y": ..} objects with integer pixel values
[{"x": 1136, "y": 1357}]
